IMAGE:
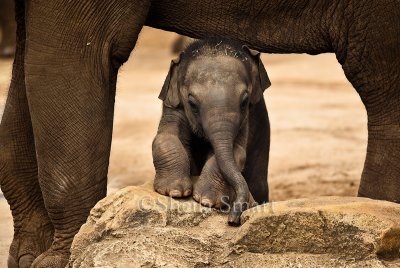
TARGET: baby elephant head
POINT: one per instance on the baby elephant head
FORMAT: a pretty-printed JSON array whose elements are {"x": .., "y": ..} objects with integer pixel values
[{"x": 215, "y": 81}]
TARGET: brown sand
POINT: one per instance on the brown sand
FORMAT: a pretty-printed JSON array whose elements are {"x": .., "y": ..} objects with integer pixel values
[{"x": 318, "y": 124}]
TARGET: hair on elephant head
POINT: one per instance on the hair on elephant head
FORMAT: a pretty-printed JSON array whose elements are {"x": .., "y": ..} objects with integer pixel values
[
  {"x": 214, "y": 82},
  {"x": 213, "y": 66}
]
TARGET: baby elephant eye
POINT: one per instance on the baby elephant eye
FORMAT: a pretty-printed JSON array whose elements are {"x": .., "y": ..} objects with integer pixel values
[
  {"x": 244, "y": 102},
  {"x": 193, "y": 104}
]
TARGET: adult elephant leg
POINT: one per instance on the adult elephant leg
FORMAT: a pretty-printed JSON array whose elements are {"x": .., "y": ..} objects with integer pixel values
[
  {"x": 33, "y": 231},
  {"x": 373, "y": 65},
  {"x": 8, "y": 28},
  {"x": 74, "y": 50},
  {"x": 363, "y": 34}
]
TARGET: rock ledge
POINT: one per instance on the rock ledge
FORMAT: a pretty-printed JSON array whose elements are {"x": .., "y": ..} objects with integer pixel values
[{"x": 136, "y": 227}]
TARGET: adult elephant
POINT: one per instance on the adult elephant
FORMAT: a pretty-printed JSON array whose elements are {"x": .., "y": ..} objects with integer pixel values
[
  {"x": 7, "y": 28},
  {"x": 56, "y": 130}
]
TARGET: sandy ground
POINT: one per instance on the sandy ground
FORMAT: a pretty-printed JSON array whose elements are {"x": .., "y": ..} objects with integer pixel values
[{"x": 318, "y": 124}]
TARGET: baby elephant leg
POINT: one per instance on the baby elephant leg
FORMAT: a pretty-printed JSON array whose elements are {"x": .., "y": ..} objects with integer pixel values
[
  {"x": 211, "y": 189},
  {"x": 172, "y": 165}
]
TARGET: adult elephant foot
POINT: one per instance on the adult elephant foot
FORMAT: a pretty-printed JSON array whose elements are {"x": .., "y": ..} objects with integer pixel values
[
  {"x": 51, "y": 259},
  {"x": 32, "y": 239},
  {"x": 380, "y": 178}
]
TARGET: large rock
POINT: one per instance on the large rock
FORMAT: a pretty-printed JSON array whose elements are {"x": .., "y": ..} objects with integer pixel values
[{"x": 136, "y": 227}]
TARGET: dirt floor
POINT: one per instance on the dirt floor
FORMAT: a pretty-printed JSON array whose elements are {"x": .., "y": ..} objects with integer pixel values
[{"x": 318, "y": 124}]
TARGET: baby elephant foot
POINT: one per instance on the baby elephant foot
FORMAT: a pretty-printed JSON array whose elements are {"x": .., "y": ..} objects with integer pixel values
[
  {"x": 34, "y": 237},
  {"x": 173, "y": 186},
  {"x": 214, "y": 191},
  {"x": 51, "y": 259}
]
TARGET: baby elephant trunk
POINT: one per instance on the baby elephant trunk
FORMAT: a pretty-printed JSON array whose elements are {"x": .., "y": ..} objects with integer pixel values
[{"x": 222, "y": 137}]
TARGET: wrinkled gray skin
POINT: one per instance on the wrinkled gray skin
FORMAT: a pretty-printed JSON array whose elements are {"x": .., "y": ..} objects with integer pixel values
[
  {"x": 214, "y": 118},
  {"x": 55, "y": 133},
  {"x": 8, "y": 28}
]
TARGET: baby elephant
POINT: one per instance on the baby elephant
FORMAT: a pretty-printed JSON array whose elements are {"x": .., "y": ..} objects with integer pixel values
[{"x": 214, "y": 126}]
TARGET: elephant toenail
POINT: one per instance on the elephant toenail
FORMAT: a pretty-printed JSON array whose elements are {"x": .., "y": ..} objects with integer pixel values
[
  {"x": 187, "y": 192},
  {"x": 175, "y": 193},
  {"x": 206, "y": 202}
]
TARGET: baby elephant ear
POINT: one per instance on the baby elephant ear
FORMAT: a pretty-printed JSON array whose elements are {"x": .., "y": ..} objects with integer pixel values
[
  {"x": 169, "y": 93},
  {"x": 260, "y": 77}
]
